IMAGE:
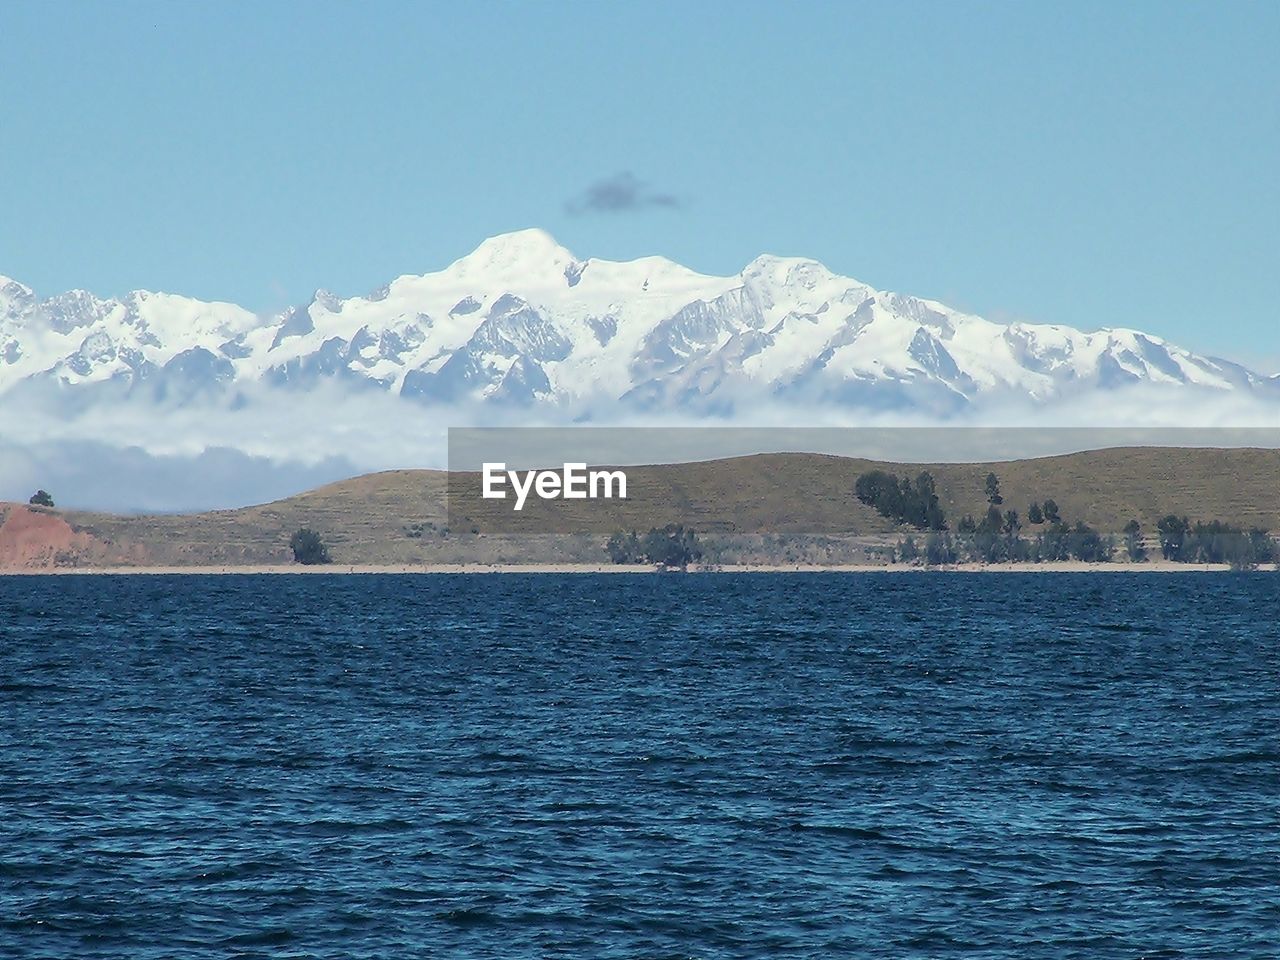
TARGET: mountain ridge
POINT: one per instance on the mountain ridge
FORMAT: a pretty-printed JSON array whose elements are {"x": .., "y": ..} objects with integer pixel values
[{"x": 523, "y": 322}]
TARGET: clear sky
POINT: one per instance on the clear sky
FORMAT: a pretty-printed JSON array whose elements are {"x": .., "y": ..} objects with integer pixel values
[{"x": 1093, "y": 164}]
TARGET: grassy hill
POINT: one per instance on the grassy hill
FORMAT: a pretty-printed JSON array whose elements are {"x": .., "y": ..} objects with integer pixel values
[{"x": 400, "y": 517}]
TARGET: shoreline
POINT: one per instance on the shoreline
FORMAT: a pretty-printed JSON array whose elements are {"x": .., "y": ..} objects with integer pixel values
[{"x": 1070, "y": 566}]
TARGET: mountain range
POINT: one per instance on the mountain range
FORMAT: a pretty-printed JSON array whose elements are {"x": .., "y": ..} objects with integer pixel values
[
  {"x": 154, "y": 401},
  {"x": 523, "y": 323}
]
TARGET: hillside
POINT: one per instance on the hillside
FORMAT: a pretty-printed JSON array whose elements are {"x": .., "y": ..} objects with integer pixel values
[{"x": 401, "y": 517}]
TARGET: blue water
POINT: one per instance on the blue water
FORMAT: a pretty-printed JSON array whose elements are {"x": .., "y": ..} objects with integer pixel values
[{"x": 1017, "y": 766}]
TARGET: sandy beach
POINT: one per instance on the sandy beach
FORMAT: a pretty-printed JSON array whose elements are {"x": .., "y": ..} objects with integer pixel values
[{"x": 1069, "y": 566}]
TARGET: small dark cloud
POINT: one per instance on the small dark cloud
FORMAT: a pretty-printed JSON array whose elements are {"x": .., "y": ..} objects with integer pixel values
[{"x": 621, "y": 193}]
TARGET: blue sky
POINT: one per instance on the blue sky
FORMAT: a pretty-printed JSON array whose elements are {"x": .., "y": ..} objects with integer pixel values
[{"x": 1091, "y": 164}]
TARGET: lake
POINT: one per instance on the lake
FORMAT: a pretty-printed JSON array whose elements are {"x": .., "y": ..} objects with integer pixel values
[{"x": 755, "y": 765}]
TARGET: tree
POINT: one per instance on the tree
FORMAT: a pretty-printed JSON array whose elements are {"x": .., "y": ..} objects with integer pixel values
[
  {"x": 988, "y": 542},
  {"x": 1051, "y": 512},
  {"x": 308, "y": 548},
  {"x": 672, "y": 546},
  {"x": 624, "y": 547},
  {"x": 1173, "y": 532},
  {"x": 927, "y": 512},
  {"x": 1264, "y": 548},
  {"x": 939, "y": 549},
  {"x": 1015, "y": 548},
  {"x": 901, "y": 500},
  {"x": 1035, "y": 514},
  {"x": 881, "y": 491},
  {"x": 909, "y": 551},
  {"x": 41, "y": 498},
  {"x": 993, "y": 490},
  {"x": 1218, "y": 542},
  {"x": 1054, "y": 543},
  {"x": 1085, "y": 543},
  {"x": 1133, "y": 544}
]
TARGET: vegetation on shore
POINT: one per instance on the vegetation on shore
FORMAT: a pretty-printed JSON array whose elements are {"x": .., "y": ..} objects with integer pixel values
[
  {"x": 998, "y": 536},
  {"x": 672, "y": 547},
  {"x": 768, "y": 509},
  {"x": 308, "y": 548},
  {"x": 901, "y": 499},
  {"x": 1214, "y": 542}
]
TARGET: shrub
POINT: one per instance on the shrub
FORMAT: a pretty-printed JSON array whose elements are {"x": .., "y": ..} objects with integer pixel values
[
  {"x": 902, "y": 500},
  {"x": 1054, "y": 543},
  {"x": 1173, "y": 532},
  {"x": 939, "y": 549},
  {"x": 1133, "y": 541},
  {"x": 671, "y": 546},
  {"x": 1218, "y": 542},
  {"x": 41, "y": 498},
  {"x": 624, "y": 547},
  {"x": 1085, "y": 543},
  {"x": 308, "y": 548},
  {"x": 993, "y": 490}
]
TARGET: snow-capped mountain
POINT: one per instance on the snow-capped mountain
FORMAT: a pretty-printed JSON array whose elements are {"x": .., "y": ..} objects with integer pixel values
[{"x": 522, "y": 321}]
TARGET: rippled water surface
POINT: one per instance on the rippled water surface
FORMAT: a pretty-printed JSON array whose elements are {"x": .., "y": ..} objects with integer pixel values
[{"x": 640, "y": 766}]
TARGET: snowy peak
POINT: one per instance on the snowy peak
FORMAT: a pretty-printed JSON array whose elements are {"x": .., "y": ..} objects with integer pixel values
[
  {"x": 789, "y": 271},
  {"x": 524, "y": 254},
  {"x": 14, "y": 295},
  {"x": 520, "y": 246}
]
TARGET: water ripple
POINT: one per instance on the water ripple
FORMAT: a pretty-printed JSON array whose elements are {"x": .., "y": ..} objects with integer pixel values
[{"x": 1040, "y": 766}]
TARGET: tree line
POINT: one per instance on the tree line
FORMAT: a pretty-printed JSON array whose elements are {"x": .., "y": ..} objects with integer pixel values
[
  {"x": 901, "y": 499},
  {"x": 998, "y": 537},
  {"x": 1214, "y": 542},
  {"x": 673, "y": 546}
]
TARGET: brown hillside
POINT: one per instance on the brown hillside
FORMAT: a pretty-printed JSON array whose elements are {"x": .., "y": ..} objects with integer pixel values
[{"x": 400, "y": 517}]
